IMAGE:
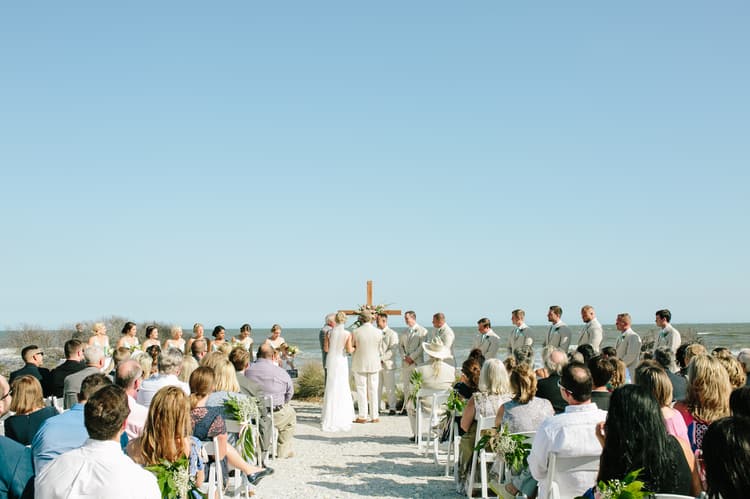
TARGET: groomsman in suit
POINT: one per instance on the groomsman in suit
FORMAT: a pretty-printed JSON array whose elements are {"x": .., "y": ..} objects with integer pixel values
[
  {"x": 487, "y": 341},
  {"x": 559, "y": 333},
  {"x": 628, "y": 345},
  {"x": 388, "y": 356},
  {"x": 410, "y": 344},
  {"x": 521, "y": 335},
  {"x": 592, "y": 332},
  {"x": 366, "y": 367},
  {"x": 668, "y": 337},
  {"x": 445, "y": 333}
]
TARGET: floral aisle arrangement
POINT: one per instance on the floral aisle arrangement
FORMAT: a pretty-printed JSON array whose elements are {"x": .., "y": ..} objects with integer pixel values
[
  {"x": 416, "y": 383},
  {"x": 244, "y": 410},
  {"x": 513, "y": 449},
  {"x": 627, "y": 488},
  {"x": 174, "y": 479}
]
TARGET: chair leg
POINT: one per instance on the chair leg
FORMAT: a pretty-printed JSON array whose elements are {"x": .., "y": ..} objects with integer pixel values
[
  {"x": 470, "y": 478},
  {"x": 483, "y": 473}
]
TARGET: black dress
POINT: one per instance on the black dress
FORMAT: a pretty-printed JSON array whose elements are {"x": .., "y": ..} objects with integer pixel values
[{"x": 22, "y": 428}]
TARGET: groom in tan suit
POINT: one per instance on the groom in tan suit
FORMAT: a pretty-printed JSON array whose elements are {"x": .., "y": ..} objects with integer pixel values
[{"x": 366, "y": 367}]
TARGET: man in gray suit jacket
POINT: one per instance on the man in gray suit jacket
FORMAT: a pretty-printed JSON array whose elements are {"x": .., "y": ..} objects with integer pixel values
[
  {"x": 366, "y": 367},
  {"x": 486, "y": 341},
  {"x": 94, "y": 357},
  {"x": 412, "y": 354},
  {"x": 521, "y": 335},
  {"x": 668, "y": 337},
  {"x": 592, "y": 332},
  {"x": 446, "y": 335},
  {"x": 559, "y": 333},
  {"x": 628, "y": 344}
]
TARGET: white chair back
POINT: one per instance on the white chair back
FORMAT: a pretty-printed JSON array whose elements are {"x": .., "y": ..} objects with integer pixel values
[
  {"x": 215, "y": 480},
  {"x": 561, "y": 466},
  {"x": 483, "y": 423}
]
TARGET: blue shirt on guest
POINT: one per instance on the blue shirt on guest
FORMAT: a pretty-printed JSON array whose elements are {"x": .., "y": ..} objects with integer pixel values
[
  {"x": 58, "y": 435},
  {"x": 16, "y": 473}
]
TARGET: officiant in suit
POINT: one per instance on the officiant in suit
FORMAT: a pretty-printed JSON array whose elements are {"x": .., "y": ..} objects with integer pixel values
[{"x": 366, "y": 367}]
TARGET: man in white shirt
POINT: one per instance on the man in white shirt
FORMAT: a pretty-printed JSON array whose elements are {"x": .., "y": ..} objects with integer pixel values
[
  {"x": 559, "y": 333},
  {"x": 592, "y": 332},
  {"x": 487, "y": 341},
  {"x": 388, "y": 356},
  {"x": 569, "y": 434},
  {"x": 99, "y": 468},
  {"x": 128, "y": 377},
  {"x": 521, "y": 335},
  {"x": 628, "y": 344},
  {"x": 170, "y": 363},
  {"x": 446, "y": 335}
]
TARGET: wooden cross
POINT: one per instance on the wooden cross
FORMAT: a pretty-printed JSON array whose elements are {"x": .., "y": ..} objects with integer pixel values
[{"x": 369, "y": 302}]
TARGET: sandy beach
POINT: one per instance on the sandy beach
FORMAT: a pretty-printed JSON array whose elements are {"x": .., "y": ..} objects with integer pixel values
[{"x": 372, "y": 460}]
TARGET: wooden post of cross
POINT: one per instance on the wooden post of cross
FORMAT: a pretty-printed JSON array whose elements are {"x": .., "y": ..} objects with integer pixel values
[{"x": 369, "y": 302}]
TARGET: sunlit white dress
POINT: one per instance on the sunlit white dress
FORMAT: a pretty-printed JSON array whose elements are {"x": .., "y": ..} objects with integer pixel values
[{"x": 338, "y": 407}]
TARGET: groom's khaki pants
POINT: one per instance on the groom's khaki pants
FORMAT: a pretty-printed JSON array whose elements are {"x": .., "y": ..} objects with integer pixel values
[
  {"x": 388, "y": 384},
  {"x": 367, "y": 387}
]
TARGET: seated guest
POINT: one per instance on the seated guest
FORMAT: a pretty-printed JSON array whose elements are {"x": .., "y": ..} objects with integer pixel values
[
  {"x": 571, "y": 433},
  {"x": 547, "y": 388},
  {"x": 167, "y": 435},
  {"x": 634, "y": 437},
  {"x": 225, "y": 383},
  {"x": 128, "y": 377},
  {"x": 602, "y": 371},
  {"x": 30, "y": 412},
  {"x": 691, "y": 351},
  {"x": 726, "y": 457},
  {"x": 209, "y": 423},
  {"x": 679, "y": 356},
  {"x": 664, "y": 357},
  {"x": 17, "y": 471},
  {"x": 494, "y": 390},
  {"x": 148, "y": 367},
  {"x": 469, "y": 382},
  {"x": 65, "y": 431},
  {"x": 94, "y": 358},
  {"x": 189, "y": 364},
  {"x": 587, "y": 352},
  {"x": 276, "y": 383},
  {"x": 524, "y": 355},
  {"x": 169, "y": 363},
  {"x": 99, "y": 468},
  {"x": 620, "y": 376},
  {"x": 739, "y": 402},
  {"x": 119, "y": 356},
  {"x": 543, "y": 372},
  {"x": 655, "y": 379},
  {"x": 33, "y": 359},
  {"x": 73, "y": 363},
  {"x": 198, "y": 349},
  {"x": 240, "y": 359},
  {"x": 609, "y": 352},
  {"x": 437, "y": 375},
  {"x": 524, "y": 412},
  {"x": 707, "y": 396},
  {"x": 744, "y": 359},
  {"x": 736, "y": 372}
]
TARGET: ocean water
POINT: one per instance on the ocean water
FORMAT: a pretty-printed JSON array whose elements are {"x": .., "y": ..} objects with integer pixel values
[{"x": 734, "y": 336}]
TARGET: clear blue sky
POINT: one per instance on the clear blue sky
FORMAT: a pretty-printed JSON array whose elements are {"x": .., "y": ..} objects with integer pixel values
[{"x": 259, "y": 161}]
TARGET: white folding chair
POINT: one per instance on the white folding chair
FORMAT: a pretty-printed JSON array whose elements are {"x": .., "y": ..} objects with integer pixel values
[
  {"x": 483, "y": 423},
  {"x": 268, "y": 402},
  {"x": 500, "y": 463},
  {"x": 432, "y": 414},
  {"x": 215, "y": 480},
  {"x": 234, "y": 426},
  {"x": 453, "y": 443},
  {"x": 559, "y": 465}
]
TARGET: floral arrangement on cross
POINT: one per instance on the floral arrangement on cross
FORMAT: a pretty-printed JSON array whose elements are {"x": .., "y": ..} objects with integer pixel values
[{"x": 372, "y": 309}]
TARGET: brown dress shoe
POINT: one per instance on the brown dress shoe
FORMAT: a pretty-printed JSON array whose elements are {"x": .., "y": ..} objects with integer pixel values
[
  {"x": 360, "y": 420},
  {"x": 376, "y": 420}
]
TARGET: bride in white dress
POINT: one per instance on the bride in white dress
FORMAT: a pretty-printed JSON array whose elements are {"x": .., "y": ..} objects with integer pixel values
[{"x": 338, "y": 407}]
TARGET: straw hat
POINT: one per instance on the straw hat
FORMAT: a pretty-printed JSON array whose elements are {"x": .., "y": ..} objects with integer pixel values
[{"x": 436, "y": 349}]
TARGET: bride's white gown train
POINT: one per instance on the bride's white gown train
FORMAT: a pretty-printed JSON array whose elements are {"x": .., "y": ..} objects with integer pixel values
[{"x": 338, "y": 407}]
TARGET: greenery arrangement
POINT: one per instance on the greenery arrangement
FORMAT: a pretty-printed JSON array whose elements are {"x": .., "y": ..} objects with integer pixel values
[
  {"x": 511, "y": 448},
  {"x": 311, "y": 381},
  {"x": 174, "y": 479},
  {"x": 416, "y": 383},
  {"x": 629, "y": 488},
  {"x": 244, "y": 409}
]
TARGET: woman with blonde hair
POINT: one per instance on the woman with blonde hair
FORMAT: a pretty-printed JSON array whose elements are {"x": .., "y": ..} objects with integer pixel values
[
  {"x": 197, "y": 335},
  {"x": 225, "y": 382},
  {"x": 208, "y": 423},
  {"x": 100, "y": 338},
  {"x": 338, "y": 408},
  {"x": 176, "y": 341},
  {"x": 707, "y": 397},
  {"x": 167, "y": 434},
  {"x": 30, "y": 412},
  {"x": 189, "y": 364},
  {"x": 494, "y": 391},
  {"x": 655, "y": 379}
]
